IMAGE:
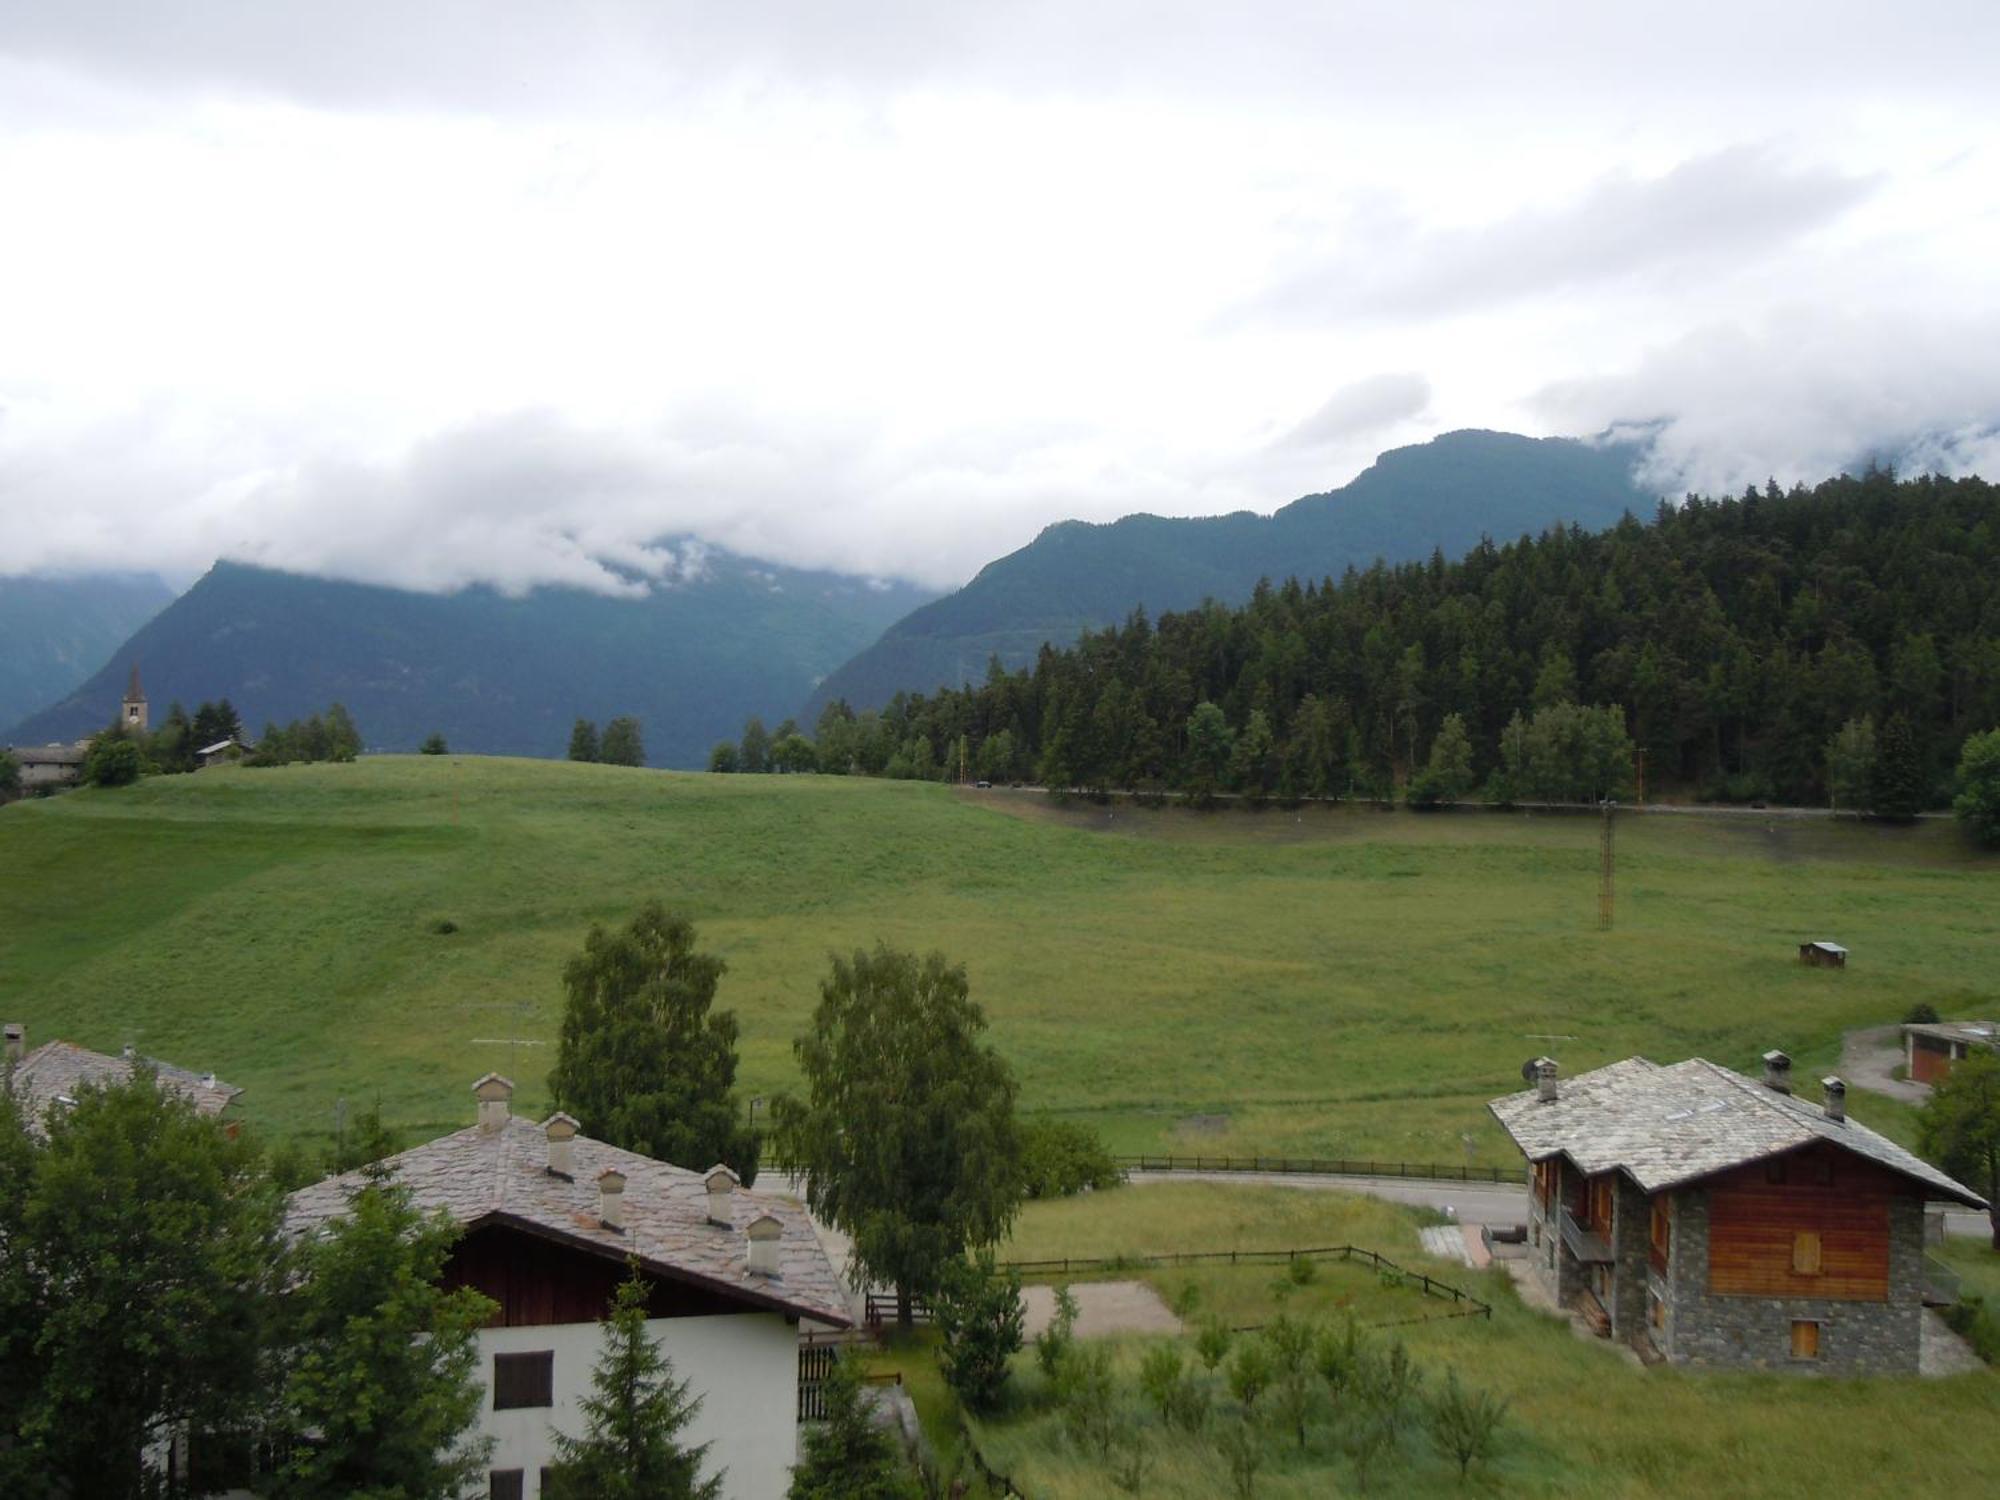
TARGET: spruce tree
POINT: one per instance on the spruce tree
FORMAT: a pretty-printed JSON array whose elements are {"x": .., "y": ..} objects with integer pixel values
[
  {"x": 583, "y": 740},
  {"x": 631, "y": 1448},
  {"x": 849, "y": 1456},
  {"x": 1898, "y": 785}
]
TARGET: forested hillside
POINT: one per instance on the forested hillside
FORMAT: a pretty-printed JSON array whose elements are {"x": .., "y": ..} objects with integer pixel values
[
  {"x": 494, "y": 674},
  {"x": 1736, "y": 639},
  {"x": 1075, "y": 576}
]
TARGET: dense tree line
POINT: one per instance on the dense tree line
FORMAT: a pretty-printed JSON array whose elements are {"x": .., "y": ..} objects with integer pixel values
[
  {"x": 332, "y": 736},
  {"x": 621, "y": 744},
  {"x": 1766, "y": 646}
]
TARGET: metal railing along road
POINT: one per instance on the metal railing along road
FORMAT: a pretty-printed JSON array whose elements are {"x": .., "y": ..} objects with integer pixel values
[{"x": 1325, "y": 1166}]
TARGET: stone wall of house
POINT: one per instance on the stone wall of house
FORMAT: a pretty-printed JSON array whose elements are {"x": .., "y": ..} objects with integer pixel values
[
  {"x": 1756, "y": 1332},
  {"x": 1631, "y": 1238}
]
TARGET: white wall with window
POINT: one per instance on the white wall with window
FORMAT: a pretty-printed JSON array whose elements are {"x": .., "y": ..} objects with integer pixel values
[{"x": 744, "y": 1366}]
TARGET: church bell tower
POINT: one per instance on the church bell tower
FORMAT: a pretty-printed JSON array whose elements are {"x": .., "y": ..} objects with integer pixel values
[{"x": 133, "y": 714}]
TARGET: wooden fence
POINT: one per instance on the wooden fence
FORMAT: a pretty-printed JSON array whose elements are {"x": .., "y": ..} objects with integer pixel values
[
  {"x": 817, "y": 1352},
  {"x": 1325, "y": 1166},
  {"x": 1429, "y": 1285}
]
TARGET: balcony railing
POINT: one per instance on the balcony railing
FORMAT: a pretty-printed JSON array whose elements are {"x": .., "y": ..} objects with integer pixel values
[{"x": 1583, "y": 1244}]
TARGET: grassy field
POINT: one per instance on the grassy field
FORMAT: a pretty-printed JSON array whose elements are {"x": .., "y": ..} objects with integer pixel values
[
  {"x": 1335, "y": 981},
  {"x": 1586, "y": 1421}
]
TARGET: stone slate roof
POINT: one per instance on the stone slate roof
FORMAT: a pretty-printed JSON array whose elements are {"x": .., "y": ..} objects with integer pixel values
[
  {"x": 501, "y": 1176},
  {"x": 1972, "y": 1033},
  {"x": 55, "y": 1069},
  {"x": 50, "y": 755},
  {"x": 1667, "y": 1126}
]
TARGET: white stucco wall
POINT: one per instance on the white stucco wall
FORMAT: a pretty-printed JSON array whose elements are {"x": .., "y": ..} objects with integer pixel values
[{"x": 744, "y": 1367}]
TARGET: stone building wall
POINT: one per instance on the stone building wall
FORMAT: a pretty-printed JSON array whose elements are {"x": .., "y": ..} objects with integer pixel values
[
  {"x": 1756, "y": 1332},
  {"x": 1631, "y": 1238}
]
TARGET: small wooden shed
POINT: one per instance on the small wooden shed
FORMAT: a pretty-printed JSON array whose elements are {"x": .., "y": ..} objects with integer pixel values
[{"x": 1823, "y": 955}]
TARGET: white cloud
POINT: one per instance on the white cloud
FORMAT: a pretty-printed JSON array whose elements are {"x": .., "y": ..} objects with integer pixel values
[{"x": 432, "y": 291}]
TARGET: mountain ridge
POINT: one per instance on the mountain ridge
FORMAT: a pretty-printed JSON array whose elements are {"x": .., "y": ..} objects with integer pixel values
[{"x": 1443, "y": 494}]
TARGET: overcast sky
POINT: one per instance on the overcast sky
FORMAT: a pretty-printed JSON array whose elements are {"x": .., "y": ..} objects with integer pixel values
[{"x": 429, "y": 291}]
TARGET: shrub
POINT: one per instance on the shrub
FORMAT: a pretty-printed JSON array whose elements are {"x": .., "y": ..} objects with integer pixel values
[
  {"x": 1923, "y": 1013},
  {"x": 1170, "y": 1385},
  {"x": 1465, "y": 1424},
  {"x": 1084, "y": 1387},
  {"x": 1250, "y": 1374},
  {"x": 1211, "y": 1345},
  {"x": 1242, "y": 1448},
  {"x": 978, "y": 1310},
  {"x": 434, "y": 745},
  {"x": 1061, "y": 1157},
  {"x": 1054, "y": 1341}
]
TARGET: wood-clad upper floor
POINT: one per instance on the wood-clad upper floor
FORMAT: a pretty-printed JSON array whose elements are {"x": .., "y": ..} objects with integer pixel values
[
  {"x": 1812, "y": 1223},
  {"x": 537, "y": 1281}
]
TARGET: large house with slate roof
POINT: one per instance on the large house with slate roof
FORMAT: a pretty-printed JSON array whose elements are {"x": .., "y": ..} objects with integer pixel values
[
  {"x": 1717, "y": 1220},
  {"x": 551, "y": 1219}
]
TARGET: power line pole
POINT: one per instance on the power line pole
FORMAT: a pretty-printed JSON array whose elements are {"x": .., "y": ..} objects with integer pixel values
[{"x": 1606, "y": 876}]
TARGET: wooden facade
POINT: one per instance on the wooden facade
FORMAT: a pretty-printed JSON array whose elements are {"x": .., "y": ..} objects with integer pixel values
[
  {"x": 1817, "y": 1226},
  {"x": 538, "y": 1282}
]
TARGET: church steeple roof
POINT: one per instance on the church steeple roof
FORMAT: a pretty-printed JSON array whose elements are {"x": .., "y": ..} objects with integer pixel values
[{"x": 135, "y": 693}]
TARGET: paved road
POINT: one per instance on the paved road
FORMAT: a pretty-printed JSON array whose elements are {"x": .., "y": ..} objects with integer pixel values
[{"x": 1470, "y": 1202}]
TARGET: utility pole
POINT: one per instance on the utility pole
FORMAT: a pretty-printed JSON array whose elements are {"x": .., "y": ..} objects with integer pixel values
[{"x": 1605, "y": 893}]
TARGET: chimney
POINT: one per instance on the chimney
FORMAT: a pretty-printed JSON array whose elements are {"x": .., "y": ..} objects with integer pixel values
[
  {"x": 721, "y": 1183},
  {"x": 17, "y": 1042},
  {"x": 611, "y": 1193},
  {"x": 561, "y": 1131},
  {"x": 493, "y": 1093},
  {"x": 1777, "y": 1071},
  {"x": 1546, "y": 1073},
  {"x": 1833, "y": 1094},
  {"x": 764, "y": 1234}
]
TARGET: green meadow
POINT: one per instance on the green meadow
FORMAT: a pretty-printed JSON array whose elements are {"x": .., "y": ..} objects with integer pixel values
[{"x": 1329, "y": 981}]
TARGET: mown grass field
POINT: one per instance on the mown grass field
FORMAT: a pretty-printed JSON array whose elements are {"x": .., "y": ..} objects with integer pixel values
[
  {"x": 1330, "y": 981},
  {"x": 1584, "y": 1419}
]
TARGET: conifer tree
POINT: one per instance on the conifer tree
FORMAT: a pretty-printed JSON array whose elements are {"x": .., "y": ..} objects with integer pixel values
[
  {"x": 583, "y": 740},
  {"x": 849, "y": 1456},
  {"x": 1898, "y": 783},
  {"x": 631, "y": 1448}
]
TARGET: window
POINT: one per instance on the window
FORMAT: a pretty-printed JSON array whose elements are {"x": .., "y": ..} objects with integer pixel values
[
  {"x": 505, "y": 1484},
  {"x": 1805, "y": 1340},
  {"x": 1662, "y": 1233},
  {"x": 1806, "y": 1253},
  {"x": 524, "y": 1380}
]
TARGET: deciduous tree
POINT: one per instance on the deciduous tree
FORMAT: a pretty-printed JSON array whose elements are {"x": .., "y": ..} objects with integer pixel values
[
  {"x": 1978, "y": 802},
  {"x": 1959, "y": 1127},
  {"x": 644, "y": 1059},
  {"x": 906, "y": 1134},
  {"x": 380, "y": 1396},
  {"x": 583, "y": 740},
  {"x": 623, "y": 743}
]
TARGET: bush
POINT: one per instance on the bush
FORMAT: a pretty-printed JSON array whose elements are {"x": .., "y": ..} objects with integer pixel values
[
  {"x": 978, "y": 1310},
  {"x": 1972, "y": 1321},
  {"x": 1052, "y": 1343},
  {"x": 1923, "y": 1013},
  {"x": 1465, "y": 1424},
  {"x": 434, "y": 745},
  {"x": 1061, "y": 1157}
]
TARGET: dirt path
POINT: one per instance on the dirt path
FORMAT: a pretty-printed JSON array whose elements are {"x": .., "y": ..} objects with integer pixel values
[
  {"x": 1102, "y": 1307},
  {"x": 1869, "y": 1058}
]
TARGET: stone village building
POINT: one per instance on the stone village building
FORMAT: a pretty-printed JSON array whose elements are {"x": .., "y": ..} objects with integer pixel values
[
  {"x": 1726, "y": 1222},
  {"x": 50, "y": 1076},
  {"x": 550, "y": 1220}
]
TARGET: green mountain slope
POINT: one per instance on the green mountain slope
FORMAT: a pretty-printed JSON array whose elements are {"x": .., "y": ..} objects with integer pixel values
[
  {"x": 1078, "y": 576},
  {"x": 56, "y": 631},
  {"x": 497, "y": 675}
]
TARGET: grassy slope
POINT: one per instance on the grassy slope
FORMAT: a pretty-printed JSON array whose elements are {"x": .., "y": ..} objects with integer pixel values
[
  {"x": 1586, "y": 1421},
  {"x": 1329, "y": 981}
]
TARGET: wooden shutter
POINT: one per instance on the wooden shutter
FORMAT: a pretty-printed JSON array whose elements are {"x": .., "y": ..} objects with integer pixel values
[
  {"x": 1806, "y": 1253},
  {"x": 524, "y": 1380},
  {"x": 505, "y": 1484},
  {"x": 1805, "y": 1340}
]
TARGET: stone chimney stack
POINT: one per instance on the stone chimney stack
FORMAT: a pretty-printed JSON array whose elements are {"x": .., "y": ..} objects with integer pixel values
[
  {"x": 17, "y": 1042},
  {"x": 764, "y": 1234},
  {"x": 721, "y": 1184},
  {"x": 1546, "y": 1074},
  {"x": 561, "y": 1130},
  {"x": 611, "y": 1199},
  {"x": 494, "y": 1094},
  {"x": 1834, "y": 1096},
  {"x": 1777, "y": 1071}
]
